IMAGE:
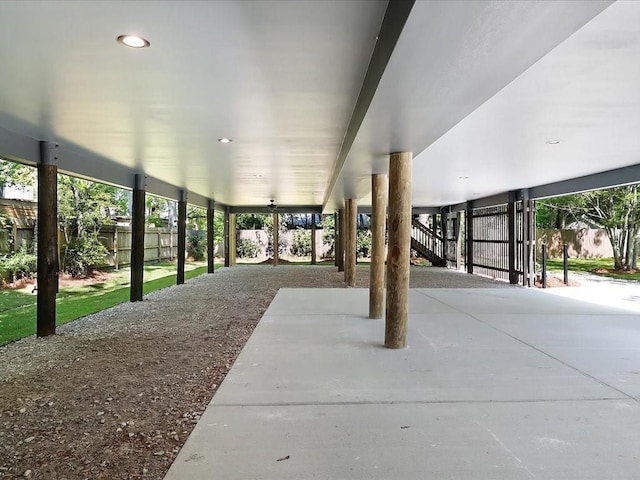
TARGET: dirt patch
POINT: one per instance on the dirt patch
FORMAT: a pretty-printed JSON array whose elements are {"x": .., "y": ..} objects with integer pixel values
[
  {"x": 96, "y": 276},
  {"x": 613, "y": 270},
  {"x": 115, "y": 395},
  {"x": 555, "y": 282}
]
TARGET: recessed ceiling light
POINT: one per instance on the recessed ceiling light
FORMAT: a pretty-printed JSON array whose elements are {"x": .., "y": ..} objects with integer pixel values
[
  {"x": 463, "y": 178},
  {"x": 225, "y": 140},
  {"x": 553, "y": 142},
  {"x": 133, "y": 41}
]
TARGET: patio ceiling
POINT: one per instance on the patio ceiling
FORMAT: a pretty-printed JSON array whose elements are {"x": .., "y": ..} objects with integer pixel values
[{"x": 311, "y": 102}]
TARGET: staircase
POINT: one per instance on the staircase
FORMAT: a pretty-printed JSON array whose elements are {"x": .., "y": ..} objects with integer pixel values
[{"x": 427, "y": 243}]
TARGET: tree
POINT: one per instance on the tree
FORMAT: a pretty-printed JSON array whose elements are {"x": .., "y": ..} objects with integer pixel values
[
  {"x": 16, "y": 175},
  {"x": 614, "y": 210},
  {"x": 83, "y": 207}
]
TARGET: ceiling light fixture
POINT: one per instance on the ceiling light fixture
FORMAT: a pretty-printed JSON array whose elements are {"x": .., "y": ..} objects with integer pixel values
[
  {"x": 225, "y": 140},
  {"x": 463, "y": 178},
  {"x": 133, "y": 41},
  {"x": 553, "y": 142},
  {"x": 272, "y": 206}
]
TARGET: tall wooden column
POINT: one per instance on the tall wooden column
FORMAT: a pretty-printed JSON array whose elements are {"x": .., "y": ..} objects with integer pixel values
[
  {"x": 227, "y": 249},
  {"x": 137, "y": 239},
  {"x": 47, "y": 240},
  {"x": 313, "y": 239},
  {"x": 350, "y": 247},
  {"x": 340, "y": 239},
  {"x": 182, "y": 235},
  {"x": 210, "y": 237},
  {"x": 276, "y": 227},
  {"x": 398, "y": 257},
  {"x": 335, "y": 238},
  {"x": 378, "y": 224},
  {"x": 233, "y": 238}
]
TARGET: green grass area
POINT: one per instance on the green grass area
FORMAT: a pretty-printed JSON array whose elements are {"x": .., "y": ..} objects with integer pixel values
[
  {"x": 18, "y": 309},
  {"x": 590, "y": 265}
]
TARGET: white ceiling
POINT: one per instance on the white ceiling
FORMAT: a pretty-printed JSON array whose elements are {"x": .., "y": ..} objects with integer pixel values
[{"x": 474, "y": 89}]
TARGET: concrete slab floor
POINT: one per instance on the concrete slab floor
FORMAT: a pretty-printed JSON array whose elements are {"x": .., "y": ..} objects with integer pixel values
[{"x": 495, "y": 384}]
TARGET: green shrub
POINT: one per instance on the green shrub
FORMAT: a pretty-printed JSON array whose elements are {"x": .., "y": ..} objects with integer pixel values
[
  {"x": 82, "y": 253},
  {"x": 329, "y": 233},
  {"x": 247, "y": 248},
  {"x": 197, "y": 246},
  {"x": 363, "y": 244},
  {"x": 22, "y": 264},
  {"x": 301, "y": 243}
]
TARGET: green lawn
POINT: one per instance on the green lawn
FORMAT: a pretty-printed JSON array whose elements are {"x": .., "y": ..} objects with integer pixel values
[
  {"x": 18, "y": 310},
  {"x": 589, "y": 265}
]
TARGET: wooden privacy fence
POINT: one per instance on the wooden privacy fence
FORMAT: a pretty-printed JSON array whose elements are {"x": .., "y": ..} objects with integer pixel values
[{"x": 159, "y": 244}]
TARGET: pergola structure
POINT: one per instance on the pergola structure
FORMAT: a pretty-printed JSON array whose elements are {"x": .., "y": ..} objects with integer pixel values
[{"x": 226, "y": 105}]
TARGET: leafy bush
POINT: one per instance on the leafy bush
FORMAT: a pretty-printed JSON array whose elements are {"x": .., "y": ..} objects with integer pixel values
[
  {"x": 82, "y": 253},
  {"x": 247, "y": 248},
  {"x": 301, "y": 243},
  {"x": 363, "y": 244},
  {"x": 22, "y": 264},
  {"x": 329, "y": 233},
  {"x": 197, "y": 246}
]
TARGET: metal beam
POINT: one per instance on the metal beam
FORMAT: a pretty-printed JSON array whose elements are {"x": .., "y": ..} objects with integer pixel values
[
  {"x": 281, "y": 209},
  {"x": 607, "y": 179},
  {"x": 392, "y": 25}
]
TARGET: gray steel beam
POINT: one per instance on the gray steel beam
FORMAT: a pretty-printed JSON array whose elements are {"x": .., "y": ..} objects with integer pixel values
[
  {"x": 607, "y": 179},
  {"x": 280, "y": 209},
  {"x": 392, "y": 25}
]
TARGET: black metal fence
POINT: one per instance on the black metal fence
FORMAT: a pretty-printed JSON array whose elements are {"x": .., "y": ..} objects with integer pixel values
[{"x": 491, "y": 241}]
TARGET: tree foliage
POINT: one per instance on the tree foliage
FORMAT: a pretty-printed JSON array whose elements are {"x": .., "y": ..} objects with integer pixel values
[
  {"x": 16, "y": 175},
  {"x": 614, "y": 210},
  {"x": 83, "y": 207}
]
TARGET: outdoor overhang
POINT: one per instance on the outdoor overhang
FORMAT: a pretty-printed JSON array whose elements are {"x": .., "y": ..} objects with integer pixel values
[{"x": 315, "y": 95}]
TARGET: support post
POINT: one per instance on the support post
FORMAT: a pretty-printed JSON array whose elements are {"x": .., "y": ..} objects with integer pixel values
[
  {"x": 233, "y": 238},
  {"x": 182, "y": 235},
  {"x": 398, "y": 256},
  {"x": 511, "y": 226},
  {"x": 47, "y": 240},
  {"x": 350, "y": 257},
  {"x": 313, "y": 239},
  {"x": 335, "y": 238},
  {"x": 457, "y": 231},
  {"x": 210, "y": 237},
  {"x": 137, "y": 238},
  {"x": 378, "y": 223},
  {"x": 227, "y": 249},
  {"x": 468, "y": 216},
  {"x": 544, "y": 265},
  {"x": 340, "y": 239},
  {"x": 528, "y": 266},
  {"x": 443, "y": 234},
  {"x": 276, "y": 232},
  {"x": 565, "y": 263}
]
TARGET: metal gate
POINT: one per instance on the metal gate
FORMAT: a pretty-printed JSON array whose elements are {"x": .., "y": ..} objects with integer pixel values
[
  {"x": 452, "y": 236},
  {"x": 490, "y": 241}
]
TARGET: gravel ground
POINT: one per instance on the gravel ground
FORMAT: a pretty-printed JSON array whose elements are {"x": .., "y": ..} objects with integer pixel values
[{"x": 114, "y": 395}]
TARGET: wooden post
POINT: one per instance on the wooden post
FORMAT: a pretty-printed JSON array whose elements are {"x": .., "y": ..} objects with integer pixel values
[
  {"x": 340, "y": 239},
  {"x": 275, "y": 238},
  {"x": 457, "y": 231},
  {"x": 335, "y": 238},
  {"x": 313, "y": 239},
  {"x": 182, "y": 235},
  {"x": 227, "y": 250},
  {"x": 137, "y": 239},
  {"x": 47, "y": 240},
  {"x": 352, "y": 232},
  {"x": 115, "y": 247},
  {"x": 233, "y": 234},
  {"x": 210, "y": 238},
  {"x": 468, "y": 217},
  {"x": 378, "y": 224},
  {"x": 398, "y": 257}
]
